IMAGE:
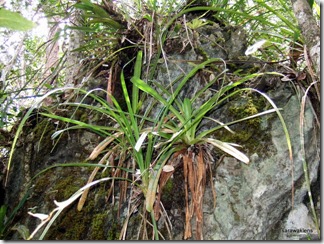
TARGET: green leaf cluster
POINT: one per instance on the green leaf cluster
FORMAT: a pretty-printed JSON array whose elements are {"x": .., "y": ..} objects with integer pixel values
[{"x": 97, "y": 15}]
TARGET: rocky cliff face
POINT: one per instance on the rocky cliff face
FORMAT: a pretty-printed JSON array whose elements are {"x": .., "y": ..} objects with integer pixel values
[
  {"x": 254, "y": 202},
  {"x": 254, "y": 199}
]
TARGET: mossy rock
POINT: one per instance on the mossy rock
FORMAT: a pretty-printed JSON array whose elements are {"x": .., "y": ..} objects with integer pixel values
[{"x": 247, "y": 133}]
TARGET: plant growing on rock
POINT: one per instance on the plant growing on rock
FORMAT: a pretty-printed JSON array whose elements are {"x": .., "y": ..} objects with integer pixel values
[
  {"x": 156, "y": 147},
  {"x": 191, "y": 145},
  {"x": 145, "y": 149}
]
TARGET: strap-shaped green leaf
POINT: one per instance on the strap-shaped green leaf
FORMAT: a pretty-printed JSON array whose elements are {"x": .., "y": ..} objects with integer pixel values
[
  {"x": 14, "y": 21},
  {"x": 187, "y": 108}
]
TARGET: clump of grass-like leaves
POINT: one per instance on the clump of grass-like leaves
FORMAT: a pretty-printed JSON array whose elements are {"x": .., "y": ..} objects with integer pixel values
[{"x": 152, "y": 148}]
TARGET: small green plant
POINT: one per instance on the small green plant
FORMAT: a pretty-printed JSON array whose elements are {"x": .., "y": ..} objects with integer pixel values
[
  {"x": 183, "y": 136},
  {"x": 153, "y": 146},
  {"x": 122, "y": 139}
]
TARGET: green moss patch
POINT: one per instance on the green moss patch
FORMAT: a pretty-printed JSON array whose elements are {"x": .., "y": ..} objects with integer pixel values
[{"x": 248, "y": 133}]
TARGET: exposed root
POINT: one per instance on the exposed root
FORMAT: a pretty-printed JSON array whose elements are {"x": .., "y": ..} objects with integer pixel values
[{"x": 194, "y": 169}]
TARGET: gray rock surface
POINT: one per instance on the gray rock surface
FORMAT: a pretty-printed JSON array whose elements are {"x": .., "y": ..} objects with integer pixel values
[
  {"x": 252, "y": 199},
  {"x": 299, "y": 224}
]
